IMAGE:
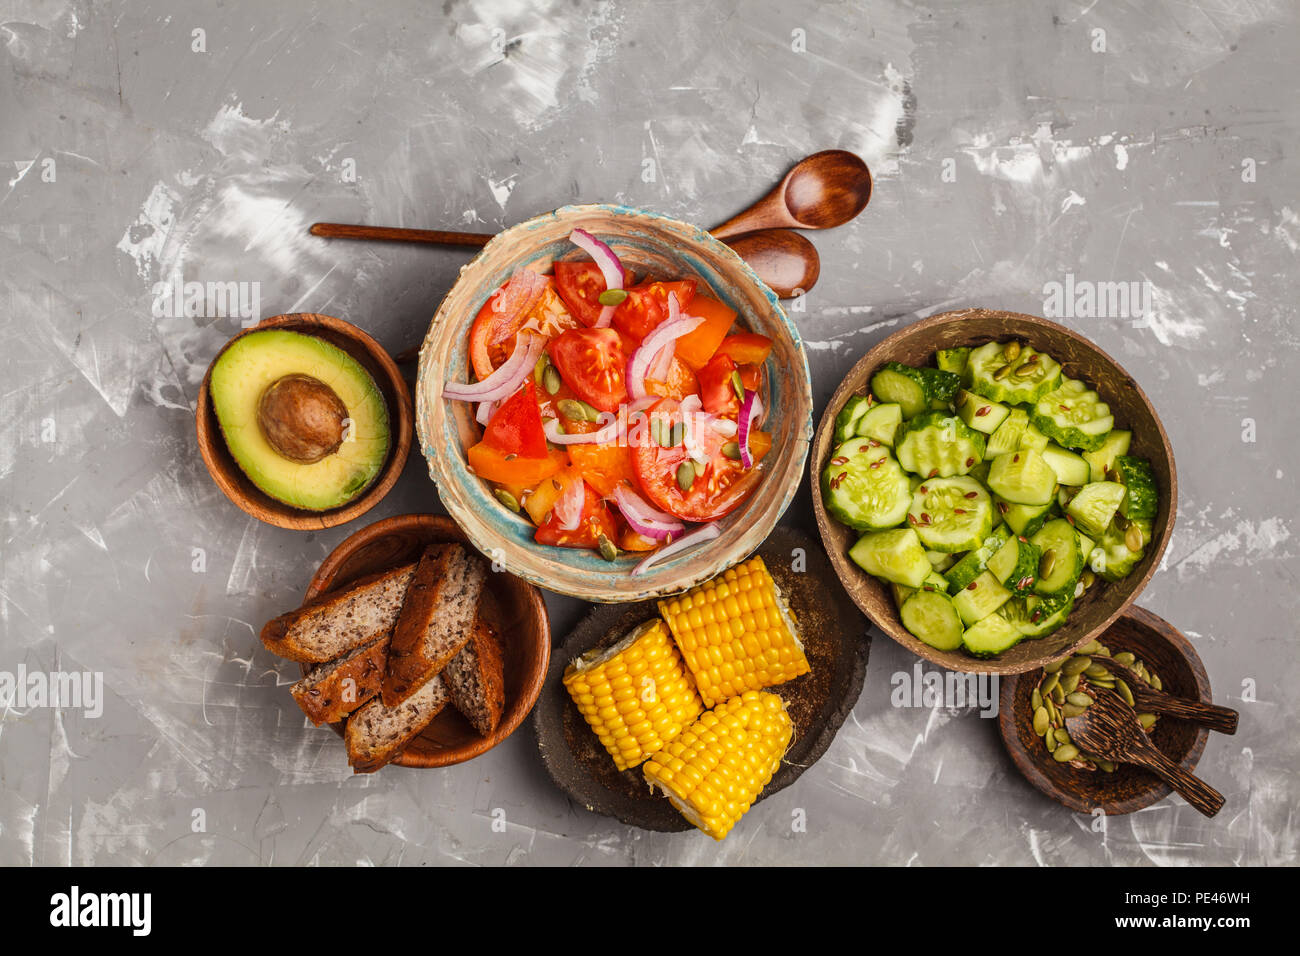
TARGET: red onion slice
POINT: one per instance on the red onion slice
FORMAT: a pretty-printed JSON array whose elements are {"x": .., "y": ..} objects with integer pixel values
[
  {"x": 750, "y": 409},
  {"x": 610, "y": 267},
  {"x": 701, "y": 534},
  {"x": 568, "y": 507},
  {"x": 485, "y": 412},
  {"x": 504, "y": 380},
  {"x": 513, "y": 301},
  {"x": 606, "y": 317},
  {"x": 644, "y": 519},
  {"x": 610, "y": 431},
  {"x": 665, "y": 334}
]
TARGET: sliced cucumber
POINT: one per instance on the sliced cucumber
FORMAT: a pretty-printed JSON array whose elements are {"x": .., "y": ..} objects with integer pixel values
[
  {"x": 974, "y": 561},
  {"x": 1065, "y": 565},
  {"x": 1102, "y": 460},
  {"x": 980, "y": 598},
  {"x": 940, "y": 561},
  {"x": 1112, "y": 558},
  {"x": 930, "y": 616},
  {"x": 1023, "y": 478},
  {"x": 982, "y": 414},
  {"x": 1073, "y": 415},
  {"x": 1016, "y": 564},
  {"x": 1095, "y": 505},
  {"x": 846, "y": 422},
  {"x": 1035, "y": 616},
  {"x": 1030, "y": 376},
  {"x": 937, "y": 444},
  {"x": 1086, "y": 545},
  {"x": 864, "y": 487},
  {"x": 896, "y": 556},
  {"x": 1024, "y": 519},
  {"x": 1070, "y": 468},
  {"x": 952, "y": 360},
  {"x": 1014, "y": 434},
  {"x": 951, "y": 514},
  {"x": 913, "y": 388},
  {"x": 990, "y": 637},
  {"x": 1139, "y": 480},
  {"x": 881, "y": 423}
]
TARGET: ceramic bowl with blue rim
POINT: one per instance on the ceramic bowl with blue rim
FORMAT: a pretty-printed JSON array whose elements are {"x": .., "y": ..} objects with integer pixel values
[{"x": 652, "y": 245}]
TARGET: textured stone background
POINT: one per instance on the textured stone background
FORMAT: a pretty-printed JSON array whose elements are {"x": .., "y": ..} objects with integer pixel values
[{"x": 128, "y": 157}]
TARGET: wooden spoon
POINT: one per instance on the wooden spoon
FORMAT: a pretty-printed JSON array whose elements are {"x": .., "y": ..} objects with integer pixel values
[
  {"x": 785, "y": 260},
  {"x": 822, "y": 191},
  {"x": 1109, "y": 729},
  {"x": 1147, "y": 699}
]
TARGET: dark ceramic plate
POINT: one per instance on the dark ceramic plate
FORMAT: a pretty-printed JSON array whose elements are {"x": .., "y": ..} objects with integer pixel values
[{"x": 834, "y": 635}]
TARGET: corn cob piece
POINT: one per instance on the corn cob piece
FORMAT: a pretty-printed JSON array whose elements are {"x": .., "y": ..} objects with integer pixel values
[
  {"x": 636, "y": 695},
  {"x": 735, "y": 633},
  {"x": 715, "y": 770}
]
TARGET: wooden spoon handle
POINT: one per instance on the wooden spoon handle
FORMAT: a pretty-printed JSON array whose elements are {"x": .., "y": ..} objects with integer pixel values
[
  {"x": 343, "y": 230},
  {"x": 1222, "y": 719},
  {"x": 1193, "y": 789}
]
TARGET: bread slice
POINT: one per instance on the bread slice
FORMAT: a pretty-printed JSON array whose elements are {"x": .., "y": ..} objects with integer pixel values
[
  {"x": 341, "y": 620},
  {"x": 476, "y": 680},
  {"x": 375, "y": 734},
  {"x": 437, "y": 618},
  {"x": 331, "y": 691}
]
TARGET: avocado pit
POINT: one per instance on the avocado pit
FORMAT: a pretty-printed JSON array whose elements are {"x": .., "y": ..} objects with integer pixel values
[{"x": 302, "y": 418}]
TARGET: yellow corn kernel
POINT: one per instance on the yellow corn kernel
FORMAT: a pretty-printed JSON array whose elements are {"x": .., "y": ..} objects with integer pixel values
[
  {"x": 715, "y": 771},
  {"x": 637, "y": 695},
  {"x": 735, "y": 633}
]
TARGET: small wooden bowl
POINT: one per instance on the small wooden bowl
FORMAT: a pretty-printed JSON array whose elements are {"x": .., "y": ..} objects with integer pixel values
[
  {"x": 1103, "y": 603},
  {"x": 512, "y": 606},
  {"x": 231, "y": 479},
  {"x": 1162, "y": 648},
  {"x": 654, "y": 245}
]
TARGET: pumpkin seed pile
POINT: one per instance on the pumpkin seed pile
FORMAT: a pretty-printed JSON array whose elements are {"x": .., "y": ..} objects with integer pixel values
[{"x": 1066, "y": 689}]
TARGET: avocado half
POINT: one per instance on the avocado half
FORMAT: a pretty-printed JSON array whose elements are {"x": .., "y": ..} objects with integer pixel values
[{"x": 303, "y": 419}]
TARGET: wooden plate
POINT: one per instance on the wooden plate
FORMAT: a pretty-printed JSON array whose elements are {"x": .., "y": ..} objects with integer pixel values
[
  {"x": 236, "y": 486},
  {"x": 513, "y": 606},
  {"x": 835, "y": 639},
  {"x": 1102, "y": 605},
  {"x": 1166, "y": 651}
]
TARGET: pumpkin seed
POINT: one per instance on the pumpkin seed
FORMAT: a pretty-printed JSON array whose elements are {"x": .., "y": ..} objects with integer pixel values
[
  {"x": 685, "y": 476},
  {"x": 612, "y": 297},
  {"x": 1050, "y": 708},
  {"x": 1070, "y": 684},
  {"x": 1120, "y": 522},
  {"x": 607, "y": 549},
  {"x": 1072, "y": 710},
  {"x": 1062, "y": 735},
  {"x": 676, "y": 435},
  {"x": 1046, "y": 563},
  {"x": 1050, "y": 740},
  {"x": 1087, "y": 579},
  {"x": 507, "y": 499},
  {"x": 551, "y": 380},
  {"x": 1053, "y": 667},
  {"x": 1106, "y": 765},
  {"x": 1050, "y": 681},
  {"x": 1036, "y": 699},
  {"x": 737, "y": 386},
  {"x": 1041, "y": 722},
  {"x": 1079, "y": 699},
  {"x": 539, "y": 370},
  {"x": 1092, "y": 647},
  {"x": 1095, "y": 670},
  {"x": 1125, "y": 657},
  {"x": 1147, "y": 721},
  {"x": 1104, "y": 652},
  {"x": 1058, "y": 695},
  {"x": 1125, "y": 692},
  {"x": 731, "y": 450},
  {"x": 1105, "y": 682},
  {"x": 571, "y": 409},
  {"x": 1002, "y": 373},
  {"x": 1076, "y": 665},
  {"x": 1011, "y": 351},
  {"x": 1156, "y": 682},
  {"x": 1133, "y": 538},
  {"x": 1065, "y": 753}
]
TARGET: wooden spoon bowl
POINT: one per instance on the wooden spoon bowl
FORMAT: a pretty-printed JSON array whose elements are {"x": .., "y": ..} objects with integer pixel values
[
  {"x": 1164, "y": 650},
  {"x": 250, "y": 499},
  {"x": 514, "y": 607}
]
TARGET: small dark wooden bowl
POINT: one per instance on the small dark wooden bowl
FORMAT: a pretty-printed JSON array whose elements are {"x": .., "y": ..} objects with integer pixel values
[
  {"x": 513, "y": 606},
  {"x": 236, "y": 486},
  {"x": 835, "y": 641},
  {"x": 1102, "y": 604},
  {"x": 1163, "y": 649}
]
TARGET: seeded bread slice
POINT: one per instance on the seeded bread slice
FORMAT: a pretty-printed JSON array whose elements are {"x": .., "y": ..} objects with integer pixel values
[
  {"x": 331, "y": 691},
  {"x": 437, "y": 618},
  {"x": 476, "y": 679},
  {"x": 341, "y": 620},
  {"x": 375, "y": 734}
]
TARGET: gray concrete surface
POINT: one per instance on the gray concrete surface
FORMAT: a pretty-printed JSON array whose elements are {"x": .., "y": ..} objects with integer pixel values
[{"x": 1014, "y": 144}]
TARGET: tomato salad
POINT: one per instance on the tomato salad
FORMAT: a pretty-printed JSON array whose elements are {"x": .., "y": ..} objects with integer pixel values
[{"x": 618, "y": 417}]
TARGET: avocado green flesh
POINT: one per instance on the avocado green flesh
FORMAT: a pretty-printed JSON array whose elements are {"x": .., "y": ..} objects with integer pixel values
[{"x": 255, "y": 361}]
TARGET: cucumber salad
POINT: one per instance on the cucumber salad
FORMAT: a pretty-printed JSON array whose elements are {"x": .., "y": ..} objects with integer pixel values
[{"x": 992, "y": 490}]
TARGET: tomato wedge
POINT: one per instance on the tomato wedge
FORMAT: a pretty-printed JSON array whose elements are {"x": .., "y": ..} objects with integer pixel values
[
  {"x": 717, "y": 489},
  {"x": 580, "y": 285},
  {"x": 697, "y": 346},
  {"x": 604, "y": 466},
  {"x": 746, "y": 348},
  {"x": 552, "y": 319},
  {"x": 516, "y": 427},
  {"x": 505, "y": 468},
  {"x": 681, "y": 382},
  {"x": 717, "y": 388},
  {"x": 646, "y": 306},
  {"x": 592, "y": 363},
  {"x": 595, "y": 522}
]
